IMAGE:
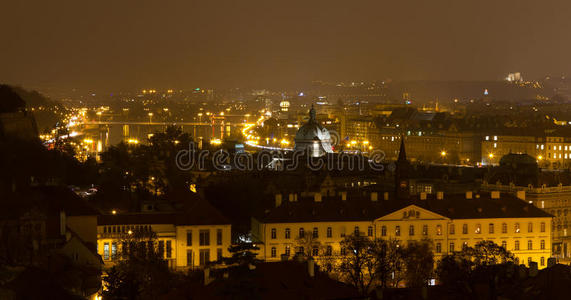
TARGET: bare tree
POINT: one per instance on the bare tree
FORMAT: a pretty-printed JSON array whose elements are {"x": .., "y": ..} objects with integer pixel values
[{"x": 357, "y": 262}]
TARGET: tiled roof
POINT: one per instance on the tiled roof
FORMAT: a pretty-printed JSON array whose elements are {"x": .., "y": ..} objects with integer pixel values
[{"x": 454, "y": 206}]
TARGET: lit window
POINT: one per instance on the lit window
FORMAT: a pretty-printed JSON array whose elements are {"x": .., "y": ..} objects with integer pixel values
[
  {"x": 487, "y": 137},
  {"x": 273, "y": 252},
  {"x": 287, "y": 250},
  {"x": 106, "y": 251},
  {"x": 516, "y": 228},
  {"x": 438, "y": 229},
  {"x": 478, "y": 229},
  {"x": 495, "y": 137},
  {"x": 530, "y": 227},
  {"x": 397, "y": 230}
]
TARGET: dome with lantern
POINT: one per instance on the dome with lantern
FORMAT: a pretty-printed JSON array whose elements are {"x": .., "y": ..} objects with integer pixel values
[{"x": 313, "y": 138}]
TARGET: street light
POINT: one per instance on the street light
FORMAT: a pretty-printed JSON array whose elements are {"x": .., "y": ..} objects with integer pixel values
[
  {"x": 150, "y": 117},
  {"x": 443, "y": 153}
]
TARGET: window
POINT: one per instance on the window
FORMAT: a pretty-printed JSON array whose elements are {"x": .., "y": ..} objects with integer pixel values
[
  {"x": 169, "y": 249},
  {"x": 329, "y": 232},
  {"x": 315, "y": 251},
  {"x": 343, "y": 251},
  {"x": 529, "y": 227},
  {"x": 504, "y": 228},
  {"x": 113, "y": 250},
  {"x": 315, "y": 232},
  {"x": 516, "y": 245},
  {"x": 529, "y": 245},
  {"x": 452, "y": 229},
  {"x": 438, "y": 247},
  {"x": 204, "y": 236},
  {"x": 411, "y": 230},
  {"x": 273, "y": 234},
  {"x": 505, "y": 245},
  {"x": 329, "y": 251},
  {"x": 287, "y": 250},
  {"x": 219, "y": 254},
  {"x": 397, "y": 230},
  {"x": 384, "y": 231},
  {"x": 464, "y": 245},
  {"x": 356, "y": 230},
  {"x": 300, "y": 250},
  {"x": 301, "y": 233},
  {"x": 204, "y": 256},
  {"x": 424, "y": 229},
  {"x": 542, "y": 245},
  {"x": 189, "y": 238},
  {"x": 189, "y": 258},
  {"x": 542, "y": 229},
  {"x": 516, "y": 227},
  {"x": 465, "y": 229},
  {"x": 451, "y": 247},
  {"x": 478, "y": 229},
  {"x": 287, "y": 233},
  {"x": 273, "y": 252},
  {"x": 106, "y": 251},
  {"x": 491, "y": 228},
  {"x": 218, "y": 237},
  {"x": 370, "y": 231},
  {"x": 438, "y": 229},
  {"x": 542, "y": 261}
]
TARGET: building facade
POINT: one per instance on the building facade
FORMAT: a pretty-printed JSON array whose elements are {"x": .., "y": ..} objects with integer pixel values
[
  {"x": 188, "y": 239},
  {"x": 451, "y": 223}
]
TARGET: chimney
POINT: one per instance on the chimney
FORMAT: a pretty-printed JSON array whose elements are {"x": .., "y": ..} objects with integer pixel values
[
  {"x": 423, "y": 196},
  {"x": 495, "y": 195},
  {"x": 374, "y": 196},
  {"x": 439, "y": 195},
  {"x": 278, "y": 200},
  {"x": 469, "y": 195},
  {"x": 311, "y": 267},
  {"x": 344, "y": 196},
  {"x": 317, "y": 197},
  {"x": 291, "y": 198},
  {"x": 386, "y": 196},
  {"x": 520, "y": 195},
  {"x": 62, "y": 223}
]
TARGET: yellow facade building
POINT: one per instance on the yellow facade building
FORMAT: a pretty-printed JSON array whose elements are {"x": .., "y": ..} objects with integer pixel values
[
  {"x": 187, "y": 239},
  {"x": 450, "y": 222}
]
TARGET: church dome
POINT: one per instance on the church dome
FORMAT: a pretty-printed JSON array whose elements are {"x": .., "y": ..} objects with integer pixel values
[{"x": 314, "y": 136}]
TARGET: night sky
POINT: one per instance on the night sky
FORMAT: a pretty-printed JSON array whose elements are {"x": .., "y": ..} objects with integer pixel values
[{"x": 124, "y": 44}]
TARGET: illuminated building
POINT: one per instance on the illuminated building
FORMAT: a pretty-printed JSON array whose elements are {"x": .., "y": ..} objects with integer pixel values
[
  {"x": 313, "y": 138},
  {"x": 187, "y": 239},
  {"x": 450, "y": 222}
]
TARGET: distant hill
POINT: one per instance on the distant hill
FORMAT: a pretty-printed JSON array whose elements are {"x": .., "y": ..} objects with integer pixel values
[{"x": 46, "y": 111}]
